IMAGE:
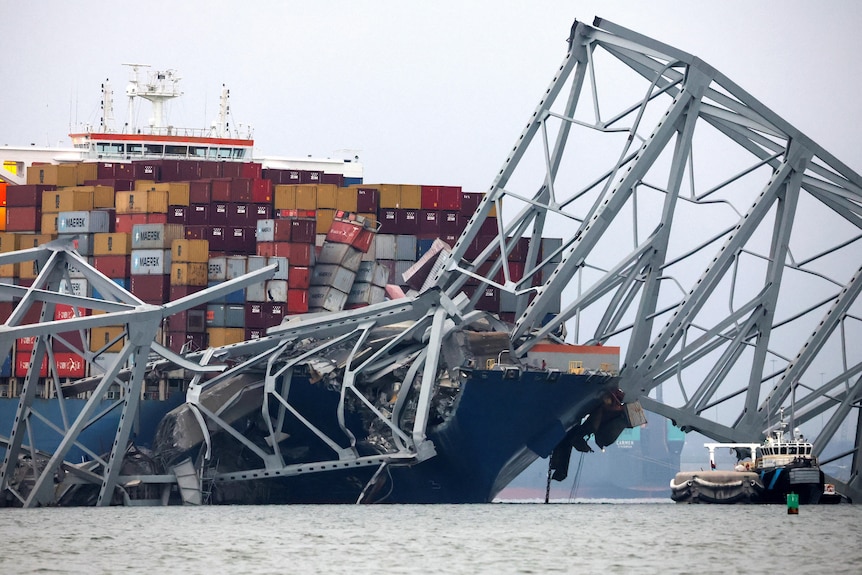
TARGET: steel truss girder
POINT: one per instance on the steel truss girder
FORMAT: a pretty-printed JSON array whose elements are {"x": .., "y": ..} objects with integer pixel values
[
  {"x": 141, "y": 323},
  {"x": 702, "y": 317}
]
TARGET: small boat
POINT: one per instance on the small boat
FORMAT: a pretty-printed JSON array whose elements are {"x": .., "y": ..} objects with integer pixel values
[{"x": 764, "y": 473}]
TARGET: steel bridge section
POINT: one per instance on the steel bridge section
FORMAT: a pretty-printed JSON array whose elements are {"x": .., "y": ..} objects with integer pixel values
[{"x": 702, "y": 233}]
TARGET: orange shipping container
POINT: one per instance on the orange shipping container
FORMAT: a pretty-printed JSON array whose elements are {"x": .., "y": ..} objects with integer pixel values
[
  {"x": 219, "y": 336},
  {"x": 3, "y": 194},
  {"x": 86, "y": 171},
  {"x": 8, "y": 242},
  {"x": 117, "y": 244},
  {"x": 346, "y": 199},
  {"x": 49, "y": 223},
  {"x": 284, "y": 197},
  {"x": 142, "y": 202},
  {"x": 102, "y": 336},
  {"x": 390, "y": 195},
  {"x": 67, "y": 200},
  {"x": 189, "y": 274},
  {"x": 178, "y": 194},
  {"x": 411, "y": 197},
  {"x": 50, "y": 174},
  {"x": 327, "y": 196},
  {"x": 324, "y": 221},
  {"x": 306, "y": 197},
  {"x": 193, "y": 251}
]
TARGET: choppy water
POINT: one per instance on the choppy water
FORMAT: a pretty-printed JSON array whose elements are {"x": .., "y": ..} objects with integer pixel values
[{"x": 496, "y": 538}]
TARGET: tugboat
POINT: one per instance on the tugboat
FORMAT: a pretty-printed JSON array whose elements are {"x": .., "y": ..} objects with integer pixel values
[{"x": 764, "y": 473}]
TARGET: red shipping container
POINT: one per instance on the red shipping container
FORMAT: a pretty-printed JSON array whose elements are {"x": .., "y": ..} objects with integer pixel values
[
  {"x": 298, "y": 277},
  {"x": 266, "y": 249},
  {"x": 303, "y": 230},
  {"x": 123, "y": 223},
  {"x": 387, "y": 218},
  {"x": 157, "y": 218},
  {"x": 170, "y": 170},
  {"x": 450, "y": 198},
  {"x": 274, "y": 312},
  {"x": 25, "y": 343},
  {"x": 254, "y": 333},
  {"x": 178, "y": 215},
  {"x": 220, "y": 191},
  {"x": 151, "y": 289},
  {"x": 178, "y": 339},
  {"x": 189, "y": 170},
  {"x": 200, "y": 192},
  {"x": 231, "y": 170},
  {"x": 310, "y": 176},
  {"x": 430, "y": 197},
  {"x": 239, "y": 240},
  {"x": 367, "y": 200},
  {"x": 261, "y": 191},
  {"x": 469, "y": 202},
  {"x": 238, "y": 214},
  {"x": 177, "y": 292},
  {"x": 196, "y": 232},
  {"x": 218, "y": 213},
  {"x": 210, "y": 170},
  {"x": 216, "y": 237},
  {"x": 250, "y": 170},
  {"x": 297, "y": 300},
  {"x": 63, "y": 311},
  {"x": 73, "y": 338},
  {"x": 337, "y": 179},
  {"x": 22, "y": 364},
  {"x": 300, "y": 254},
  {"x": 6, "y": 308},
  {"x": 124, "y": 171},
  {"x": 147, "y": 170},
  {"x": 26, "y": 196},
  {"x": 105, "y": 170},
  {"x": 199, "y": 215},
  {"x": 240, "y": 190},
  {"x": 23, "y": 219},
  {"x": 344, "y": 232}
]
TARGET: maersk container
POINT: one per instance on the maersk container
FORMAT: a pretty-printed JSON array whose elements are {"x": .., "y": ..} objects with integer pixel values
[
  {"x": 344, "y": 255},
  {"x": 151, "y": 262},
  {"x": 90, "y": 222},
  {"x": 155, "y": 236},
  {"x": 384, "y": 246},
  {"x": 265, "y": 231},
  {"x": 256, "y": 292},
  {"x": 365, "y": 294},
  {"x": 282, "y": 263},
  {"x": 77, "y": 287},
  {"x": 326, "y": 298},
  {"x": 373, "y": 273},
  {"x": 235, "y": 266},
  {"x": 332, "y": 275}
]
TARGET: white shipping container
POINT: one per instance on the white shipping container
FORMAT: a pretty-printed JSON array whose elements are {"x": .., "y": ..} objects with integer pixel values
[
  {"x": 92, "y": 222},
  {"x": 282, "y": 263},
  {"x": 319, "y": 240},
  {"x": 276, "y": 291},
  {"x": 401, "y": 266},
  {"x": 344, "y": 255},
  {"x": 265, "y": 231},
  {"x": 236, "y": 266},
  {"x": 326, "y": 298},
  {"x": 373, "y": 273},
  {"x": 256, "y": 292},
  {"x": 217, "y": 269},
  {"x": 331, "y": 275},
  {"x": 76, "y": 273},
  {"x": 156, "y": 236},
  {"x": 384, "y": 246},
  {"x": 365, "y": 293},
  {"x": 255, "y": 263},
  {"x": 78, "y": 287},
  {"x": 405, "y": 248},
  {"x": 151, "y": 262}
]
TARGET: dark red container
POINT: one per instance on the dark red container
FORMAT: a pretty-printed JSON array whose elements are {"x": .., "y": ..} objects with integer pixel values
[
  {"x": 22, "y": 363},
  {"x": 72, "y": 337},
  {"x": 274, "y": 312},
  {"x": 310, "y": 176},
  {"x": 125, "y": 171},
  {"x": 190, "y": 170},
  {"x": 261, "y": 212},
  {"x": 170, "y": 170},
  {"x": 218, "y": 213},
  {"x": 254, "y": 333},
  {"x": 298, "y": 277},
  {"x": 407, "y": 221},
  {"x": 387, "y": 218},
  {"x": 23, "y": 219},
  {"x": 197, "y": 232},
  {"x": 157, "y": 218},
  {"x": 178, "y": 215},
  {"x": 177, "y": 292},
  {"x": 451, "y": 223},
  {"x": 199, "y": 215},
  {"x": 210, "y": 169},
  {"x": 367, "y": 200},
  {"x": 151, "y": 289},
  {"x": 147, "y": 170},
  {"x": 239, "y": 240},
  {"x": 231, "y": 170},
  {"x": 429, "y": 223},
  {"x": 303, "y": 230},
  {"x": 105, "y": 170},
  {"x": 488, "y": 228},
  {"x": 216, "y": 237},
  {"x": 115, "y": 267},
  {"x": 470, "y": 201},
  {"x": 178, "y": 339},
  {"x": 254, "y": 315},
  {"x": 250, "y": 170},
  {"x": 337, "y": 179},
  {"x": 200, "y": 192},
  {"x": 430, "y": 197},
  {"x": 300, "y": 254},
  {"x": 450, "y": 197},
  {"x": 239, "y": 214},
  {"x": 519, "y": 251},
  {"x": 26, "y": 196}
]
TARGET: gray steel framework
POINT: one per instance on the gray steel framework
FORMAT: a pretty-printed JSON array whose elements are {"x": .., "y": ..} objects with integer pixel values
[
  {"x": 702, "y": 233},
  {"x": 713, "y": 241}
]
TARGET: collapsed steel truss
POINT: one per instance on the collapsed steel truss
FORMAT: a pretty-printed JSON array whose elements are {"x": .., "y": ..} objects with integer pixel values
[{"x": 712, "y": 241}]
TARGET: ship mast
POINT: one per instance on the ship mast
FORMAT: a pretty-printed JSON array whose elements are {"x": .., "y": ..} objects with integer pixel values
[
  {"x": 159, "y": 87},
  {"x": 107, "y": 107}
]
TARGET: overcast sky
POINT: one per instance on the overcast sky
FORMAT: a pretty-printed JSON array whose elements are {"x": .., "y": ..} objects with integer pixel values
[{"x": 426, "y": 92}]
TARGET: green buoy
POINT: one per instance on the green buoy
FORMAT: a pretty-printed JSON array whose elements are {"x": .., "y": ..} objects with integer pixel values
[{"x": 792, "y": 504}]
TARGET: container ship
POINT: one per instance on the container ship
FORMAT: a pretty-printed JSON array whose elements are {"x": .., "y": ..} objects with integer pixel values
[{"x": 316, "y": 399}]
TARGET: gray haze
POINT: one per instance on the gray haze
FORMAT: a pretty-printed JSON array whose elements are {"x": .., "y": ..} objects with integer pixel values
[{"x": 432, "y": 92}]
